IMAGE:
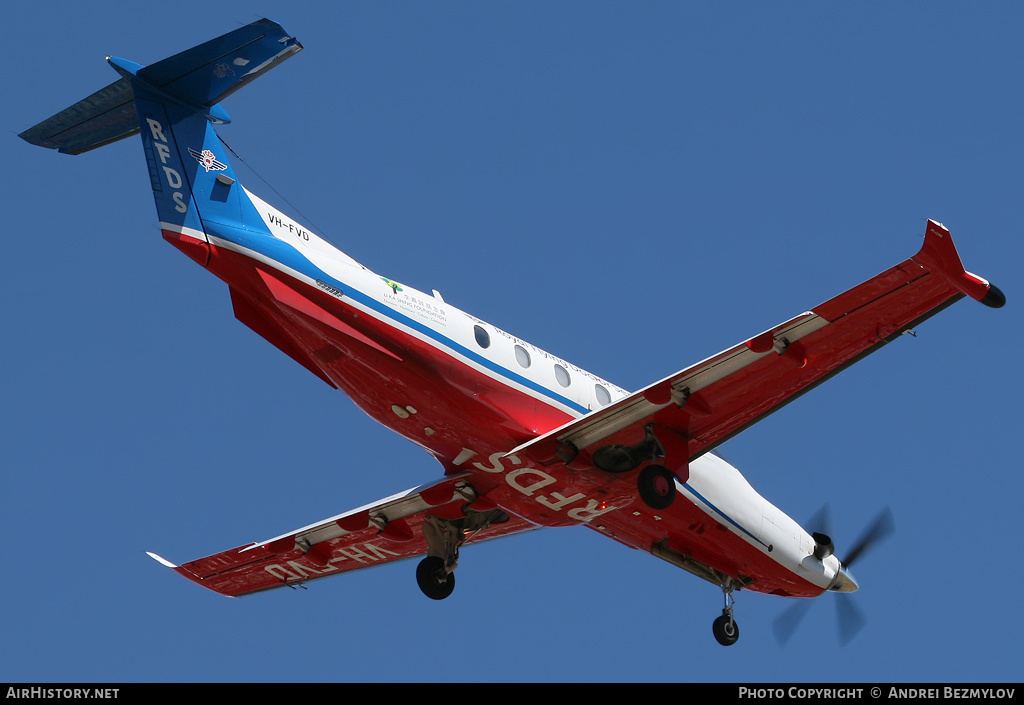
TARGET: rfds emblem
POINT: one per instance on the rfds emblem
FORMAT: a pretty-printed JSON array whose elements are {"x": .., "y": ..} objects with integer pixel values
[{"x": 207, "y": 159}]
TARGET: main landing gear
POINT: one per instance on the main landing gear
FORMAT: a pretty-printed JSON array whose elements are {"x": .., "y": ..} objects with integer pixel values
[
  {"x": 435, "y": 574},
  {"x": 725, "y": 628},
  {"x": 656, "y": 484},
  {"x": 433, "y": 578}
]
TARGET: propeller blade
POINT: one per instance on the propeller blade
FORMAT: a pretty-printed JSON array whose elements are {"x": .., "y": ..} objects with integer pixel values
[
  {"x": 851, "y": 620},
  {"x": 820, "y": 526},
  {"x": 821, "y": 521},
  {"x": 786, "y": 623},
  {"x": 879, "y": 530}
]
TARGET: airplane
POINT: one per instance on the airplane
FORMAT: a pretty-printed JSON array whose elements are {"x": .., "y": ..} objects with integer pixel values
[{"x": 525, "y": 439}]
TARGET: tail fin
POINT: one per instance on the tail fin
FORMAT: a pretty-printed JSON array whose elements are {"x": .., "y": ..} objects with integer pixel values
[{"x": 174, "y": 103}]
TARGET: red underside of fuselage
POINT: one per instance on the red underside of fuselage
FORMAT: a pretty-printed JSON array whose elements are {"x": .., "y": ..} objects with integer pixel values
[{"x": 451, "y": 409}]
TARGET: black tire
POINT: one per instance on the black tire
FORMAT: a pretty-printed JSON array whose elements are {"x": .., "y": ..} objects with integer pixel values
[
  {"x": 657, "y": 486},
  {"x": 431, "y": 577},
  {"x": 726, "y": 630}
]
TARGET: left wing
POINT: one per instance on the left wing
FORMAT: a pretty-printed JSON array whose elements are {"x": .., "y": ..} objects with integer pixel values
[
  {"x": 691, "y": 412},
  {"x": 388, "y": 530}
]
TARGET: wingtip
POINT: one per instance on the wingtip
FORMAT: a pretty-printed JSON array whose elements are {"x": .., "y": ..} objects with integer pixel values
[
  {"x": 160, "y": 560},
  {"x": 995, "y": 298},
  {"x": 939, "y": 254}
]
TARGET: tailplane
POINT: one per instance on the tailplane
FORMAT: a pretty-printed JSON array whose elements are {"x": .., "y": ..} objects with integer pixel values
[
  {"x": 199, "y": 78},
  {"x": 174, "y": 103}
]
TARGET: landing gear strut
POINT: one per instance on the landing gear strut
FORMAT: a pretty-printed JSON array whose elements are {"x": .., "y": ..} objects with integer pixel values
[
  {"x": 435, "y": 574},
  {"x": 725, "y": 628}
]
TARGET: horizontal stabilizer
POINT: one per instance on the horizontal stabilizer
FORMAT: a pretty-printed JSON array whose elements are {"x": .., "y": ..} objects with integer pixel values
[
  {"x": 198, "y": 77},
  {"x": 106, "y": 116},
  {"x": 208, "y": 73}
]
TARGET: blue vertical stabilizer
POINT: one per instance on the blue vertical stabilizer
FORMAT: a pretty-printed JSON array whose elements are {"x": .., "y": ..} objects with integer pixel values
[{"x": 175, "y": 103}]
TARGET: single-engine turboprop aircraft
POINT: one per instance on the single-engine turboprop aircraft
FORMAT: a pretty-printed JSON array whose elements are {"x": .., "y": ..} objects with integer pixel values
[{"x": 525, "y": 439}]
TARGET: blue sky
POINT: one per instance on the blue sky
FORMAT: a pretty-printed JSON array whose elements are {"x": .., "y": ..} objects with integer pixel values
[{"x": 632, "y": 187}]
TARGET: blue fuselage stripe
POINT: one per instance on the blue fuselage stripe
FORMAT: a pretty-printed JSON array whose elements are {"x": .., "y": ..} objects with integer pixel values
[
  {"x": 288, "y": 256},
  {"x": 719, "y": 512}
]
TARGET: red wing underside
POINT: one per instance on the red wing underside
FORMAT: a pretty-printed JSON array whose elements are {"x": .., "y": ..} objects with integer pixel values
[
  {"x": 389, "y": 530},
  {"x": 688, "y": 413},
  {"x": 695, "y": 410}
]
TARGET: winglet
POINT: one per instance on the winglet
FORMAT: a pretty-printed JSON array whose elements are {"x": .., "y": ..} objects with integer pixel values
[
  {"x": 939, "y": 254},
  {"x": 161, "y": 561}
]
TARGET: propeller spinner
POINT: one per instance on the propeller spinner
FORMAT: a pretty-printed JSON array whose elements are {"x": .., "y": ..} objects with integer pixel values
[{"x": 851, "y": 620}]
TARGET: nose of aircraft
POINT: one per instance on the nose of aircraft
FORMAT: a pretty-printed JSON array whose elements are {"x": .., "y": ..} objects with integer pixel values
[{"x": 843, "y": 582}]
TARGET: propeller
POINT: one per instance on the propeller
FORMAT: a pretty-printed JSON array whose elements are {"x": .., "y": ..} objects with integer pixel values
[
  {"x": 851, "y": 619},
  {"x": 880, "y": 529}
]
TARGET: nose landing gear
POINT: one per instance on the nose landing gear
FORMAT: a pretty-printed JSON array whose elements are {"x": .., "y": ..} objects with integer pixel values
[{"x": 725, "y": 628}]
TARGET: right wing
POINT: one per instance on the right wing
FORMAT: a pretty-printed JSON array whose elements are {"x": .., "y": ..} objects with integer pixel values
[
  {"x": 698, "y": 408},
  {"x": 385, "y": 531}
]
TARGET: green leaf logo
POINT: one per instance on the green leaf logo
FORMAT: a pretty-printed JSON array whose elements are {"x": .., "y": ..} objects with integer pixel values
[{"x": 394, "y": 285}]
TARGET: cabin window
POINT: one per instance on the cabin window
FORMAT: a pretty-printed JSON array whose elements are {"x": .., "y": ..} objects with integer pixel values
[
  {"x": 483, "y": 338},
  {"x": 562, "y": 375},
  {"x": 603, "y": 397},
  {"x": 522, "y": 356}
]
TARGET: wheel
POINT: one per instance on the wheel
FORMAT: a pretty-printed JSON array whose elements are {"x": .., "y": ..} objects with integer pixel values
[
  {"x": 726, "y": 630},
  {"x": 432, "y": 579},
  {"x": 657, "y": 486}
]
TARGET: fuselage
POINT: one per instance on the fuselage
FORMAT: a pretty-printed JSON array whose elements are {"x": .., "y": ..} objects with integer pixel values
[{"x": 468, "y": 392}]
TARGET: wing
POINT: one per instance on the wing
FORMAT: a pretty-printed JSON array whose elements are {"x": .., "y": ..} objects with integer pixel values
[
  {"x": 693, "y": 411},
  {"x": 388, "y": 530}
]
